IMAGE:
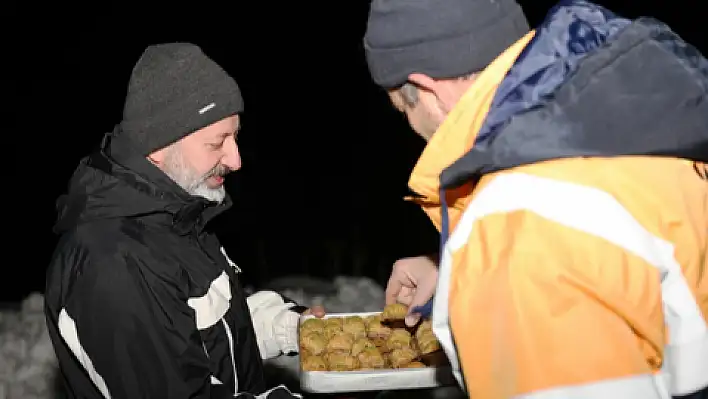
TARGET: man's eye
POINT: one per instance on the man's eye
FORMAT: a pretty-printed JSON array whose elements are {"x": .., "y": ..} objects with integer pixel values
[{"x": 216, "y": 146}]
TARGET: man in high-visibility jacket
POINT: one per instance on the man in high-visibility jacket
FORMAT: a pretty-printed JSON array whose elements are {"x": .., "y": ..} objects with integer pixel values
[{"x": 565, "y": 169}]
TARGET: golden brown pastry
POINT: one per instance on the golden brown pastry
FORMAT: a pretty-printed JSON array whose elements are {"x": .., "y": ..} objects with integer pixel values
[
  {"x": 340, "y": 344},
  {"x": 312, "y": 325},
  {"x": 376, "y": 329},
  {"x": 402, "y": 357},
  {"x": 303, "y": 352},
  {"x": 399, "y": 338},
  {"x": 342, "y": 362},
  {"x": 414, "y": 346},
  {"x": 374, "y": 318},
  {"x": 313, "y": 343},
  {"x": 361, "y": 344},
  {"x": 396, "y": 311},
  {"x": 371, "y": 358},
  {"x": 355, "y": 326},
  {"x": 353, "y": 319},
  {"x": 314, "y": 363},
  {"x": 425, "y": 326},
  {"x": 414, "y": 365},
  {"x": 378, "y": 333},
  {"x": 332, "y": 329},
  {"x": 379, "y": 338},
  {"x": 427, "y": 343},
  {"x": 335, "y": 321}
]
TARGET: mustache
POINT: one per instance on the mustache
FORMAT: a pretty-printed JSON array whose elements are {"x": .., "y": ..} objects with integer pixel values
[{"x": 218, "y": 170}]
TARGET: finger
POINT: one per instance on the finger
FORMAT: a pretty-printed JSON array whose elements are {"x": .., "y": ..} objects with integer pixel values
[
  {"x": 393, "y": 289},
  {"x": 412, "y": 319},
  {"x": 405, "y": 296},
  {"x": 423, "y": 293},
  {"x": 317, "y": 311}
]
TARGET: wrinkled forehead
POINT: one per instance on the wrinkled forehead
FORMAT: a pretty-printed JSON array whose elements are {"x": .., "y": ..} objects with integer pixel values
[{"x": 222, "y": 128}]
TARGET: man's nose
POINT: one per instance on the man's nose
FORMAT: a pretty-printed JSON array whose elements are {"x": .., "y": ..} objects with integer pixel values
[{"x": 232, "y": 158}]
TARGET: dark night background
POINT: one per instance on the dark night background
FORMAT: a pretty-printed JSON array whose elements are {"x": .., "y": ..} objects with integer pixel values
[{"x": 326, "y": 158}]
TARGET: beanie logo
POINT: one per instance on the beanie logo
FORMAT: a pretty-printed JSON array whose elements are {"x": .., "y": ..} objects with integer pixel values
[{"x": 207, "y": 108}]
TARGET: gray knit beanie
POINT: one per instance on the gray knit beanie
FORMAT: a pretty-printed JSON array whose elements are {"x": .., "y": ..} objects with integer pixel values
[
  {"x": 174, "y": 90},
  {"x": 442, "y": 39}
]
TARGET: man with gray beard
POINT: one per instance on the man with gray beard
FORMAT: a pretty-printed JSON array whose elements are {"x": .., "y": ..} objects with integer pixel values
[{"x": 141, "y": 299}]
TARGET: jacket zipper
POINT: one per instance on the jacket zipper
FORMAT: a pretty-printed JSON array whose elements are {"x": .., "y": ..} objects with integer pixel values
[
  {"x": 226, "y": 325},
  {"x": 231, "y": 348}
]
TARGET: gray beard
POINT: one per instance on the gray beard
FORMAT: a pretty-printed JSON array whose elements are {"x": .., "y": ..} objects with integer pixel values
[{"x": 177, "y": 168}]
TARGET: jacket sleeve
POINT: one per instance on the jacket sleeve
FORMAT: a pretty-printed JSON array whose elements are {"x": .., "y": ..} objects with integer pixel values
[
  {"x": 557, "y": 290},
  {"x": 135, "y": 340},
  {"x": 275, "y": 319},
  {"x": 275, "y": 323}
]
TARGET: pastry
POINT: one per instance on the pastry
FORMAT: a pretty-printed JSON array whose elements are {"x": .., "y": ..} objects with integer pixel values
[
  {"x": 355, "y": 326},
  {"x": 395, "y": 311},
  {"x": 335, "y": 321},
  {"x": 374, "y": 318},
  {"x": 378, "y": 333},
  {"x": 371, "y": 358},
  {"x": 361, "y": 344},
  {"x": 312, "y": 325},
  {"x": 332, "y": 329},
  {"x": 314, "y": 363},
  {"x": 353, "y": 319},
  {"x": 398, "y": 339},
  {"x": 366, "y": 343},
  {"x": 402, "y": 357},
  {"x": 313, "y": 343},
  {"x": 342, "y": 362},
  {"x": 427, "y": 343},
  {"x": 341, "y": 344},
  {"x": 425, "y": 326}
]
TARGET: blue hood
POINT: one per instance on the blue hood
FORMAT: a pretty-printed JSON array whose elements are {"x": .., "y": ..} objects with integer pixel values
[{"x": 591, "y": 83}]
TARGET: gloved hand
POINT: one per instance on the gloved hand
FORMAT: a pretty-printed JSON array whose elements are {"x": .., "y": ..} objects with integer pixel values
[
  {"x": 276, "y": 321},
  {"x": 412, "y": 283}
]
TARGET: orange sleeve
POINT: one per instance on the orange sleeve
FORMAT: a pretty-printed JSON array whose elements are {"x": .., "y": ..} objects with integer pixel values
[{"x": 536, "y": 305}]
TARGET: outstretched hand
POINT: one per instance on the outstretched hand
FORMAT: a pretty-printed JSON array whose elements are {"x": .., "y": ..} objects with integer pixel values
[{"x": 412, "y": 283}]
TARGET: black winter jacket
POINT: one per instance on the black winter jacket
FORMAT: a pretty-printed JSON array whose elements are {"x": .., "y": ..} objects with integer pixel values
[{"x": 141, "y": 300}]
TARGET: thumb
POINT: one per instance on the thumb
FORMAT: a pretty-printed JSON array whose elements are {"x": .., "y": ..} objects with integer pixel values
[
  {"x": 392, "y": 290},
  {"x": 423, "y": 293}
]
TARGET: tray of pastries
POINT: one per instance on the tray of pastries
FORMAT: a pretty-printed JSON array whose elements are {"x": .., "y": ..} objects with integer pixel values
[{"x": 351, "y": 352}]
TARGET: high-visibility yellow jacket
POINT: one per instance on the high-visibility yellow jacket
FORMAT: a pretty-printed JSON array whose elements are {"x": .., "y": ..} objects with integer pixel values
[{"x": 575, "y": 263}]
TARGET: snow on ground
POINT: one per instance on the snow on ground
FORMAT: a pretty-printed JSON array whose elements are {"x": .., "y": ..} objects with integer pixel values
[{"x": 27, "y": 362}]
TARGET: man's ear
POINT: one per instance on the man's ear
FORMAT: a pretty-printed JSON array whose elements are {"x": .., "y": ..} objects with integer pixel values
[{"x": 424, "y": 82}]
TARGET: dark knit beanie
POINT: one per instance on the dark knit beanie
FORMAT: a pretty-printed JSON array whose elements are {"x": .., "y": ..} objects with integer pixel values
[
  {"x": 441, "y": 39},
  {"x": 174, "y": 90}
]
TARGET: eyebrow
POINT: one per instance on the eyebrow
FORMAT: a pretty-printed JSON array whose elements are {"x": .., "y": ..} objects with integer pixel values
[{"x": 224, "y": 135}]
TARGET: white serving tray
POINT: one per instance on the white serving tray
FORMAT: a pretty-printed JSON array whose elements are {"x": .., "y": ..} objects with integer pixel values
[{"x": 372, "y": 380}]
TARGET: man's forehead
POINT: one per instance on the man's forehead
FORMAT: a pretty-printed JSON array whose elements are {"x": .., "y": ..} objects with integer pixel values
[
  {"x": 227, "y": 126},
  {"x": 233, "y": 122}
]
